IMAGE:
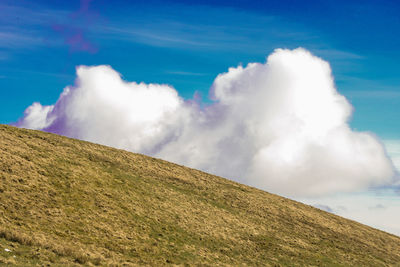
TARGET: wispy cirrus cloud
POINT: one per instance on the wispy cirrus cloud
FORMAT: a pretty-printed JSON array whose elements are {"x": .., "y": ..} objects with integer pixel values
[
  {"x": 167, "y": 34},
  {"x": 28, "y": 14},
  {"x": 186, "y": 73},
  {"x": 389, "y": 94},
  {"x": 21, "y": 26},
  {"x": 232, "y": 31},
  {"x": 31, "y": 26},
  {"x": 18, "y": 73},
  {"x": 338, "y": 54},
  {"x": 13, "y": 40}
]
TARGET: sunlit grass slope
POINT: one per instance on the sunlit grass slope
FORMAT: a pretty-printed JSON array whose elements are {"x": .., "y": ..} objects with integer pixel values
[{"x": 69, "y": 202}]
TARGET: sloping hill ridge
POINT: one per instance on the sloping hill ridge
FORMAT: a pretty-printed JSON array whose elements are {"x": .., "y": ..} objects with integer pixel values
[{"x": 70, "y": 202}]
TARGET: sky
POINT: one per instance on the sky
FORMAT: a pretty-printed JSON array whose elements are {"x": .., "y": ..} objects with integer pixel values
[{"x": 177, "y": 76}]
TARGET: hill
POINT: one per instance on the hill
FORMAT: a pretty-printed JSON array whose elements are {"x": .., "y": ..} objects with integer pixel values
[{"x": 70, "y": 202}]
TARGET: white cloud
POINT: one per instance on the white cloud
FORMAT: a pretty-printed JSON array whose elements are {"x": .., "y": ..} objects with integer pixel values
[
  {"x": 36, "y": 116},
  {"x": 393, "y": 149},
  {"x": 379, "y": 209},
  {"x": 280, "y": 126}
]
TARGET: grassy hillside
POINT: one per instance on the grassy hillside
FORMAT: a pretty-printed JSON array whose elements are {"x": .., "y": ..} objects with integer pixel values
[{"x": 69, "y": 202}]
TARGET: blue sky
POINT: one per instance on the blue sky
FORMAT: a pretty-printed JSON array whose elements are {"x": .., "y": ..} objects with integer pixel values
[{"x": 187, "y": 45}]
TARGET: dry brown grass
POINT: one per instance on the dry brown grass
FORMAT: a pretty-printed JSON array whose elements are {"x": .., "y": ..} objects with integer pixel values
[{"x": 69, "y": 202}]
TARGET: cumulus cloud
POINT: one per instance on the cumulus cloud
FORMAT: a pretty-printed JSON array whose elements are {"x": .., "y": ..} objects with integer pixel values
[
  {"x": 280, "y": 126},
  {"x": 35, "y": 116}
]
